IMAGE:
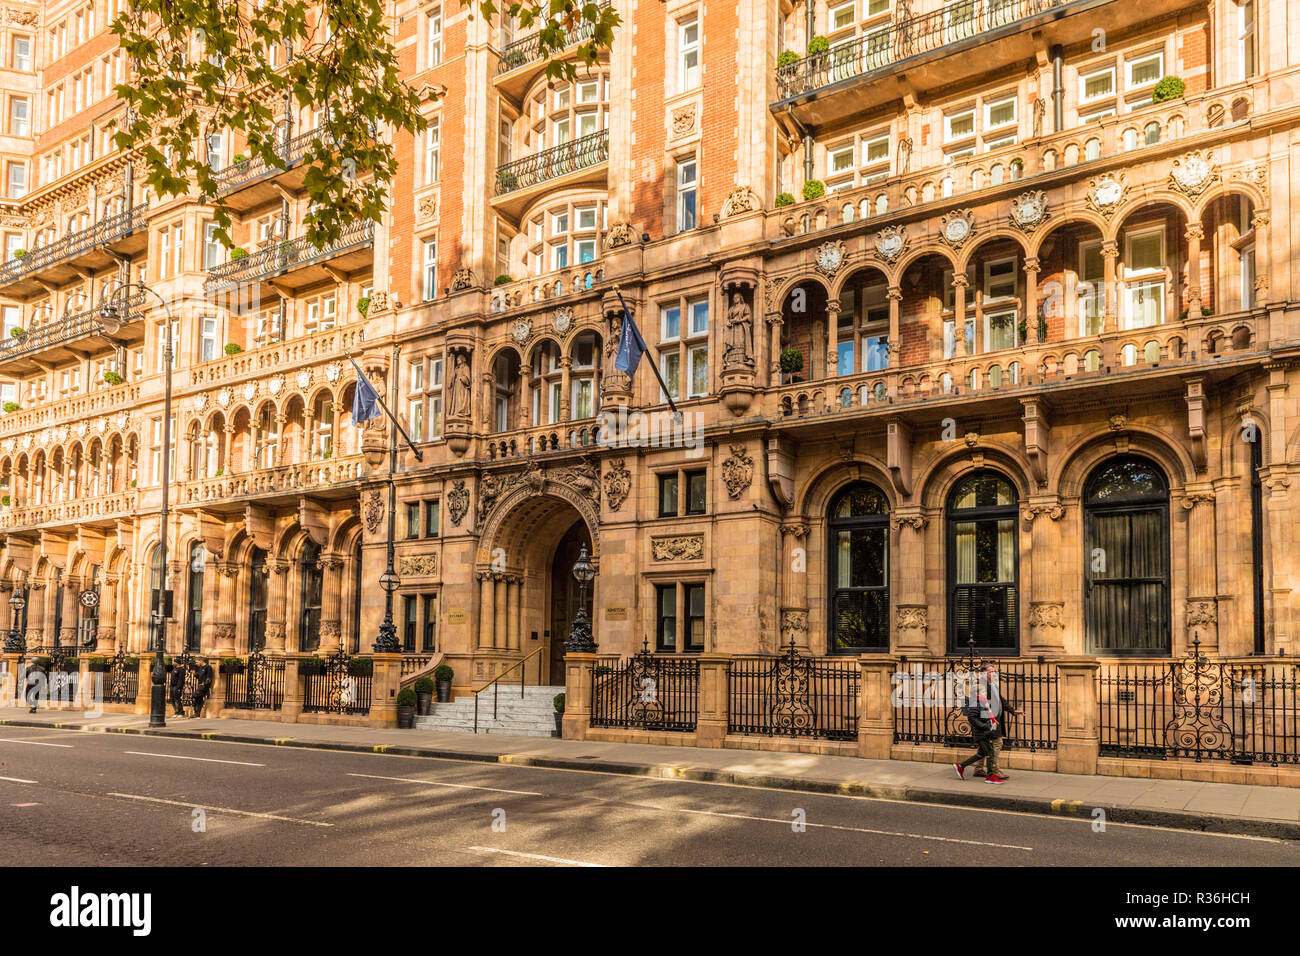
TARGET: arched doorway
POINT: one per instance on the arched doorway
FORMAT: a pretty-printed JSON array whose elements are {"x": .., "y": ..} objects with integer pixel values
[
  {"x": 564, "y": 593},
  {"x": 858, "y": 541},
  {"x": 983, "y": 565},
  {"x": 1126, "y": 558}
]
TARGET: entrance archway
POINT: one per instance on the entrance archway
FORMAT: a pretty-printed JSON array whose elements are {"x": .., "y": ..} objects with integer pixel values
[{"x": 564, "y": 592}]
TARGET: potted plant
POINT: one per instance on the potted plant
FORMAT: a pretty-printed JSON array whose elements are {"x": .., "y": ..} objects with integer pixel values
[
  {"x": 514, "y": 59},
  {"x": 233, "y": 348},
  {"x": 70, "y": 665},
  {"x": 817, "y": 45},
  {"x": 131, "y": 663},
  {"x": 502, "y": 279},
  {"x": 603, "y": 669},
  {"x": 20, "y": 253},
  {"x": 231, "y": 665},
  {"x": 5, "y": 501},
  {"x": 113, "y": 378},
  {"x": 239, "y": 158},
  {"x": 506, "y": 181},
  {"x": 405, "y": 708},
  {"x": 786, "y": 59},
  {"x": 239, "y": 252},
  {"x": 791, "y": 362},
  {"x": 361, "y": 666},
  {"x": 814, "y": 189},
  {"x": 11, "y": 406},
  {"x": 559, "y": 714},
  {"x": 783, "y": 199},
  {"x": 17, "y": 332},
  {"x": 1169, "y": 88},
  {"x": 363, "y": 305},
  {"x": 311, "y": 666},
  {"x": 424, "y": 695},
  {"x": 97, "y": 665},
  {"x": 42, "y": 662},
  {"x": 443, "y": 675}
]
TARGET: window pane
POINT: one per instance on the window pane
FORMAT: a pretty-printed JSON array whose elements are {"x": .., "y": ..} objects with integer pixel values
[{"x": 667, "y": 495}]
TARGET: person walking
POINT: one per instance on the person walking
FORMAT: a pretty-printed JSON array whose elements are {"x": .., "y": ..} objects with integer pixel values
[
  {"x": 203, "y": 678},
  {"x": 178, "y": 689},
  {"x": 987, "y": 714}
]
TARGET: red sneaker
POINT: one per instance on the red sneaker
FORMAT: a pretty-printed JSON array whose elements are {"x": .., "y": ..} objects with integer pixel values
[
  {"x": 993, "y": 778},
  {"x": 961, "y": 771}
]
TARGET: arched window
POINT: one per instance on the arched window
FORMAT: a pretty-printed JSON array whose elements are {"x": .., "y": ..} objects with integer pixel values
[
  {"x": 312, "y": 580},
  {"x": 156, "y": 599},
  {"x": 1126, "y": 558},
  {"x": 194, "y": 619},
  {"x": 257, "y": 600},
  {"x": 982, "y": 564},
  {"x": 858, "y": 542}
]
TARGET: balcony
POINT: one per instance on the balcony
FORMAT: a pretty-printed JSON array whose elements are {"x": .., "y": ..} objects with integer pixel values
[
  {"x": 82, "y": 511},
  {"x": 521, "y": 61},
  {"x": 331, "y": 478},
  {"x": 574, "y": 163},
  {"x": 252, "y": 182},
  {"x": 70, "y": 338},
  {"x": 923, "y": 52},
  {"x": 99, "y": 402},
  {"x": 294, "y": 263},
  {"x": 66, "y": 259},
  {"x": 279, "y": 356}
]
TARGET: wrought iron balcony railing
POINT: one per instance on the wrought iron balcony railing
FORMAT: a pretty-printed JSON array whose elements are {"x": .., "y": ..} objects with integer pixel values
[
  {"x": 589, "y": 150},
  {"x": 246, "y": 170},
  {"x": 906, "y": 36},
  {"x": 279, "y": 257},
  {"x": 61, "y": 330},
  {"x": 75, "y": 243},
  {"x": 529, "y": 49}
]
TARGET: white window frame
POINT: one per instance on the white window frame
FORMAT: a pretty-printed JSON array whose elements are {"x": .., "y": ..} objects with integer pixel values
[
  {"x": 688, "y": 53},
  {"x": 1084, "y": 98},
  {"x": 1129, "y": 64},
  {"x": 948, "y": 135},
  {"x": 990, "y": 105},
  {"x": 1247, "y": 39},
  {"x": 432, "y": 150},
  {"x": 433, "y": 37},
  {"x": 687, "y": 187},
  {"x": 430, "y": 272}
]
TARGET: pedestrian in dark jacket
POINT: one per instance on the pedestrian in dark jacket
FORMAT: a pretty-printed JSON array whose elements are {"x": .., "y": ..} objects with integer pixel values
[
  {"x": 178, "y": 689},
  {"x": 203, "y": 678},
  {"x": 987, "y": 710}
]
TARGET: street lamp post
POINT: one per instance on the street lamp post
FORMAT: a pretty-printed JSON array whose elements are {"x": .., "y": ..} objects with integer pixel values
[
  {"x": 580, "y": 641},
  {"x": 389, "y": 581},
  {"x": 112, "y": 318},
  {"x": 14, "y": 642}
]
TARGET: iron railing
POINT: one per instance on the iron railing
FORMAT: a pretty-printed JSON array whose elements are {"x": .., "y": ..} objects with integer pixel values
[
  {"x": 246, "y": 170},
  {"x": 930, "y": 697},
  {"x": 121, "y": 679},
  {"x": 75, "y": 243},
  {"x": 1201, "y": 709},
  {"x": 585, "y": 151},
  {"x": 495, "y": 683},
  {"x": 794, "y": 695},
  {"x": 279, "y": 257},
  {"x": 904, "y": 37},
  {"x": 259, "y": 686},
  {"x": 528, "y": 49},
  {"x": 66, "y": 329},
  {"x": 647, "y": 692},
  {"x": 336, "y": 690}
]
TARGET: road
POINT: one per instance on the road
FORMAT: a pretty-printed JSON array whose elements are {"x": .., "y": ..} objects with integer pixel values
[{"x": 158, "y": 800}]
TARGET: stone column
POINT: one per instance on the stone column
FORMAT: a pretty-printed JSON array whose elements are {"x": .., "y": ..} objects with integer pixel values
[
  {"x": 714, "y": 697},
  {"x": 211, "y": 606},
  {"x": 1077, "y": 742},
  {"x": 566, "y": 370},
  {"x": 525, "y": 417},
  {"x": 68, "y": 619},
  {"x": 501, "y": 612},
  {"x": 224, "y": 632},
  {"x": 226, "y": 463},
  {"x": 895, "y": 296},
  {"x": 331, "y": 623},
  {"x": 1032, "y": 267},
  {"x": 282, "y": 439},
  {"x": 833, "y": 338},
  {"x": 1047, "y": 631},
  {"x": 486, "y": 609},
  {"x": 1195, "y": 233},
  {"x": 876, "y": 706},
  {"x": 36, "y": 597},
  {"x": 774, "y": 323},
  {"x": 1202, "y": 612},
  {"x": 959, "y": 315},
  {"x": 512, "y": 612},
  {"x": 107, "y": 629},
  {"x": 277, "y": 639},
  {"x": 578, "y": 669},
  {"x": 912, "y": 614},
  {"x": 1110, "y": 253}
]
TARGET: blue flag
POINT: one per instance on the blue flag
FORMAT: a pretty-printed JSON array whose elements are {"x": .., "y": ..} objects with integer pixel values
[
  {"x": 630, "y": 348},
  {"x": 365, "y": 401}
]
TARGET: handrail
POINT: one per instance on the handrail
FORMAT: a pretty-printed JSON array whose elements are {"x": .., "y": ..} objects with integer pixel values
[
  {"x": 74, "y": 243},
  {"x": 495, "y": 682}
]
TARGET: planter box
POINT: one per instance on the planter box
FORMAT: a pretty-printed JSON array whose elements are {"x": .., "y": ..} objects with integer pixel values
[{"x": 405, "y": 717}]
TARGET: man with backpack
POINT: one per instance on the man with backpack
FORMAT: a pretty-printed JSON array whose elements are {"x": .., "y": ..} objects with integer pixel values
[{"x": 986, "y": 710}]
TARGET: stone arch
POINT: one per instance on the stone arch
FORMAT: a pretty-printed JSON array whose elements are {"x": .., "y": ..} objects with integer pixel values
[
  {"x": 995, "y": 234},
  {"x": 1136, "y": 204},
  {"x": 821, "y": 486},
  {"x": 1075, "y": 217},
  {"x": 937, "y": 480},
  {"x": 917, "y": 254},
  {"x": 1066, "y": 478},
  {"x": 1231, "y": 187},
  {"x": 855, "y": 270},
  {"x": 522, "y": 510},
  {"x": 788, "y": 284}
]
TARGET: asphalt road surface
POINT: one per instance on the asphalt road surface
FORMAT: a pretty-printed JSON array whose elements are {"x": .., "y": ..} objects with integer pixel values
[{"x": 168, "y": 801}]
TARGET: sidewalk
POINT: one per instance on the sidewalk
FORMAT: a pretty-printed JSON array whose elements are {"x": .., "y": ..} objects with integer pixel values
[{"x": 1213, "y": 807}]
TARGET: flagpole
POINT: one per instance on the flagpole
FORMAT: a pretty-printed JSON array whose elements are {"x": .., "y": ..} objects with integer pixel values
[
  {"x": 392, "y": 418},
  {"x": 654, "y": 364}
]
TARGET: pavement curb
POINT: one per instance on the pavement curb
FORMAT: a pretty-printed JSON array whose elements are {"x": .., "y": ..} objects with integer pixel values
[{"x": 1081, "y": 810}]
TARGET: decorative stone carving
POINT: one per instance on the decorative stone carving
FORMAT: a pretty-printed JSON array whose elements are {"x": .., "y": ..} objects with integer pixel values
[
  {"x": 1029, "y": 210},
  {"x": 1048, "y": 615},
  {"x": 682, "y": 547},
  {"x": 583, "y": 478},
  {"x": 457, "y": 502},
  {"x": 462, "y": 279},
  {"x": 22, "y": 18},
  {"x": 1053, "y": 511},
  {"x": 683, "y": 120},
  {"x": 741, "y": 200},
  {"x": 304, "y": 378},
  {"x": 563, "y": 320},
  {"x": 1256, "y": 174},
  {"x": 1106, "y": 192},
  {"x": 829, "y": 258},
  {"x": 372, "y": 510},
  {"x": 1194, "y": 173},
  {"x": 427, "y": 208},
  {"x": 417, "y": 564},
  {"x": 459, "y": 386},
  {"x": 620, "y": 234},
  {"x": 956, "y": 227},
  {"x": 223, "y": 397},
  {"x": 739, "y": 349},
  {"x": 378, "y": 303},
  {"x": 332, "y": 372},
  {"x": 916, "y": 521},
  {"x": 794, "y": 627},
  {"x": 912, "y": 616},
  {"x": 274, "y": 385},
  {"x": 738, "y": 471},
  {"x": 1117, "y": 422},
  {"x": 972, "y": 438},
  {"x": 1202, "y": 613},
  {"x": 250, "y": 391},
  {"x": 618, "y": 484},
  {"x": 521, "y": 330},
  {"x": 890, "y": 243}
]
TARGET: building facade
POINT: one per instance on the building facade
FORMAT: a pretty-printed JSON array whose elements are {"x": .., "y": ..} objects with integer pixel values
[{"x": 980, "y": 316}]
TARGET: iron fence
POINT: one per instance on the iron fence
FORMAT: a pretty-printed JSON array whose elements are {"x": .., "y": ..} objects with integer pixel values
[
  {"x": 552, "y": 163},
  {"x": 121, "y": 679},
  {"x": 930, "y": 697},
  {"x": 259, "y": 686},
  {"x": 647, "y": 692},
  {"x": 528, "y": 49},
  {"x": 793, "y": 695},
  {"x": 904, "y": 37},
  {"x": 336, "y": 690},
  {"x": 1245, "y": 712},
  {"x": 246, "y": 170},
  {"x": 68, "y": 328}
]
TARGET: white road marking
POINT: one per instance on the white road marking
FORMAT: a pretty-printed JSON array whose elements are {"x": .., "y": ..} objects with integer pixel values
[
  {"x": 24, "y": 804},
  {"x": 833, "y": 826},
  {"x": 200, "y": 806},
  {"x": 34, "y": 743},
  {"x": 435, "y": 783},
  {"x": 535, "y": 856},
  {"x": 242, "y": 763},
  {"x": 17, "y": 780}
]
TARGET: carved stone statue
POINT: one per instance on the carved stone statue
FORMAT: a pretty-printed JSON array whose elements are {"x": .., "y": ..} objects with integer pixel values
[
  {"x": 740, "y": 333},
  {"x": 460, "y": 387}
]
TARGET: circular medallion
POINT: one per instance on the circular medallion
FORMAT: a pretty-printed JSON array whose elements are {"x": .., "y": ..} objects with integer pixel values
[
  {"x": 563, "y": 321},
  {"x": 304, "y": 378},
  {"x": 332, "y": 373},
  {"x": 1193, "y": 171},
  {"x": 521, "y": 331},
  {"x": 223, "y": 397},
  {"x": 1108, "y": 191},
  {"x": 89, "y": 598},
  {"x": 249, "y": 391},
  {"x": 829, "y": 257},
  {"x": 956, "y": 230},
  {"x": 1029, "y": 211},
  {"x": 891, "y": 245},
  {"x": 275, "y": 385}
]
